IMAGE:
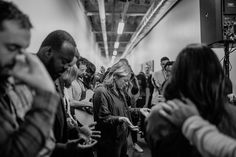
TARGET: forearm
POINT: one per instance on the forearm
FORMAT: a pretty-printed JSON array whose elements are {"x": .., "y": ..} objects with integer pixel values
[
  {"x": 30, "y": 137},
  {"x": 76, "y": 103},
  {"x": 147, "y": 97},
  {"x": 111, "y": 120},
  {"x": 208, "y": 140}
]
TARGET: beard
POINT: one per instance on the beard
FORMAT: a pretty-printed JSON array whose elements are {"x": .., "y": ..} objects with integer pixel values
[
  {"x": 51, "y": 70},
  {"x": 3, "y": 77}
]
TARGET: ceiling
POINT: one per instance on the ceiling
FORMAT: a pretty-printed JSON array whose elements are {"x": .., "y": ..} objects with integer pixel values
[{"x": 137, "y": 15}]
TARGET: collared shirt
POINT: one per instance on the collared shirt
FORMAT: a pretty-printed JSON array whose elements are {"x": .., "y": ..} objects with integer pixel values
[
  {"x": 158, "y": 79},
  {"x": 26, "y": 137}
]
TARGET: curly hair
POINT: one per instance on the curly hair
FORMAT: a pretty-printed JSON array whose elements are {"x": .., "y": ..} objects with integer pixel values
[{"x": 56, "y": 39}]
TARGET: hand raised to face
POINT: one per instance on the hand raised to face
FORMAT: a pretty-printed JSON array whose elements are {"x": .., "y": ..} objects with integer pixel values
[{"x": 29, "y": 70}]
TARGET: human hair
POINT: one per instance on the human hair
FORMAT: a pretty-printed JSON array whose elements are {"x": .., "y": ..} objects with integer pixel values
[
  {"x": 56, "y": 39},
  {"x": 164, "y": 58},
  {"x": 198, "y": 75},
  {"x": 9, "y": 11},
  {"x": 90, "y": 71},
  {"x": 83, "y": 61},
  {"x": 126, "y": 62},
  {"x": 69, "y": 76},
  {"x": 120, "y": 69},
  {"x": 142, "y": 78},
  {"x": 147, "y": 65},
  {"x": 91, "y": 68},
  {"x": 105, "y": 74},
  {"x": 169, "y": 63},
  {"x": 141, "y": 72}
]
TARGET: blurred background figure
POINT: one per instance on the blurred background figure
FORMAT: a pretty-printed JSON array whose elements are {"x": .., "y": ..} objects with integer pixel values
[
  {"x": 158, "y": 78},
  {"x": 148, "y": 75}
]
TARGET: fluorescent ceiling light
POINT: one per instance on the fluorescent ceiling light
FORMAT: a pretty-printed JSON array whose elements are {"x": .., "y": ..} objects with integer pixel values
[
  {"x": 116, "y": 45},
  {"x": 114, "y": 53},
  {"x": 113, "y": 59},
  {"x": 120, "y": 27}
]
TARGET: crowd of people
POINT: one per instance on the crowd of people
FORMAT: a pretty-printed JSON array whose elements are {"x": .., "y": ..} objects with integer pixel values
[{"x": 53, "y": 103}]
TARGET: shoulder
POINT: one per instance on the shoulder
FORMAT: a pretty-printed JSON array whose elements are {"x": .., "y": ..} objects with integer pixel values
[
  {"x": 159, "y": 73},
  {"x": 231, "y": 110},
  {"x": 100, "y": 89},
  {"x": 75, "y": 84},
  {"x": 156, "y": 74},
  {"x": 155, "y": 112},
  {"x": 157, "y": 127},
  {"x": 227, "y": 124}
]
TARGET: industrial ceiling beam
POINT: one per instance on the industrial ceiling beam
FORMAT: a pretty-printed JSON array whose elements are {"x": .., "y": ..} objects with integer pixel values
[
  {"x": 102, "y": 15},
  {"x": 110, "y": 13},
  {"x": 111, "y": 32},
  {"x": 155, "y": 13},
  {"x": 113, "y": 42}
]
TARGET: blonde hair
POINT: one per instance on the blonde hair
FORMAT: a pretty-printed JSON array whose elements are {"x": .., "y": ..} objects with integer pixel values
[
  {"x": 120, "y": 69},
  {"x": 69, "y": 75}
]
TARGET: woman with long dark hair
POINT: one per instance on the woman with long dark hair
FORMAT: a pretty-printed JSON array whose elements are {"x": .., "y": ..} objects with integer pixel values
[{"x": 197, "y": 75}]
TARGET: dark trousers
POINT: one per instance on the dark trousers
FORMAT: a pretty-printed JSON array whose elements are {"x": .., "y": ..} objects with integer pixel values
[
  {"x": 135, "y": 121},
  {"x": 112, "y": 149}
]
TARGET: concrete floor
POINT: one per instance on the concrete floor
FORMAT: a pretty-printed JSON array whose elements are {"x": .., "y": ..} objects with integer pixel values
[
  {"x": 142, "y": 144},
  {"x": 132, "y": 153}
]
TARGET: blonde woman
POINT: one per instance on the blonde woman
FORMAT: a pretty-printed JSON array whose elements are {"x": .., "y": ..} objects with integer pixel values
[
  {"x": 66, "y": 80},
  {"x": 112, "y": 113}
]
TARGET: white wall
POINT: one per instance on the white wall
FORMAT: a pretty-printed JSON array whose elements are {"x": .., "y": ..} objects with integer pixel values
[
  {"x": 50, "y": 15},
  {"x": 233, "y": 70},
  {"x": 178, "y": 28},
  {"x": 220, "y": 54}
]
